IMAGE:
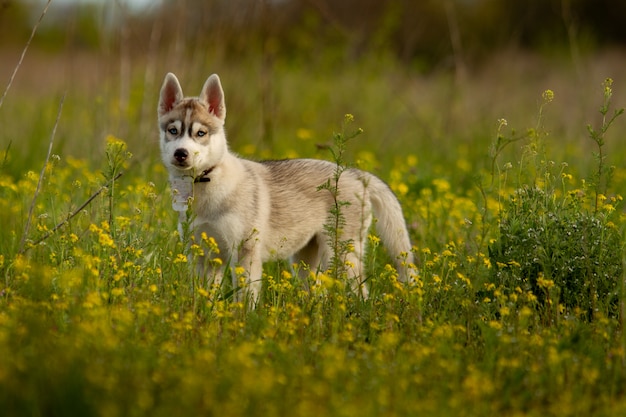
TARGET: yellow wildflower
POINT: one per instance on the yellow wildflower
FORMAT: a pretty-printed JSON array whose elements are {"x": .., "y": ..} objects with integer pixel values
[{"x": 180, "y": 258}]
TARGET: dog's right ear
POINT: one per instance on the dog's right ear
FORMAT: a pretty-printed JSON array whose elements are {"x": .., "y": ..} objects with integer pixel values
[
  {"x": 171, "y": 93},
  {"x": 213, "y": 95}
]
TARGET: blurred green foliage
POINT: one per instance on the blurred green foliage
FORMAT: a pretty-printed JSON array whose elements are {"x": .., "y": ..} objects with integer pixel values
[{"x": 424, "y": 33}]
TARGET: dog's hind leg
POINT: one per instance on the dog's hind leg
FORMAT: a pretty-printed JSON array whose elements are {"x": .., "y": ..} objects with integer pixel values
[
  {"x": 314, "y": 256},
  {"x": 356, "y": 275}
]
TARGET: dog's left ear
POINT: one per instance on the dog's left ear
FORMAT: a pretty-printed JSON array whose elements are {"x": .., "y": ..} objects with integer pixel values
[
  {"x": 171, "y": 93},
  {"x": 213, "y": 95}
]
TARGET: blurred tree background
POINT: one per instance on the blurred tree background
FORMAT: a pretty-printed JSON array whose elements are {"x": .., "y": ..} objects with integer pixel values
[
  {"x": 426, "y": 34},
  {"x": 434, "y": 66}
]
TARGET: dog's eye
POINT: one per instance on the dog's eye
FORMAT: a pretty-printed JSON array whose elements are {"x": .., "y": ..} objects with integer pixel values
[
  {"x": 173, "y": 131},
  {"x": 201, "y": 133}
]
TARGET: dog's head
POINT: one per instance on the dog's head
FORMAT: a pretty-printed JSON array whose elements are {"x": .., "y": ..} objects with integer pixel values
[{"x": 192, "y": 128}]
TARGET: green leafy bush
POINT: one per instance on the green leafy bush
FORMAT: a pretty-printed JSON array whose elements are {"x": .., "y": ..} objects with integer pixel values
[
  {"x": 560, "y": 244},
  {"x": 547, "y": 241}
]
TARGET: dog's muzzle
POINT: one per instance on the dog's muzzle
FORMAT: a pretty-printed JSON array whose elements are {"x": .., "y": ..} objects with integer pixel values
[{"x": 181, "y": 155}]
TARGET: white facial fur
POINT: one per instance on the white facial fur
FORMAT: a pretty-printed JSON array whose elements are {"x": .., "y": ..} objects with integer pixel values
[{"x": 192, "y": 134}]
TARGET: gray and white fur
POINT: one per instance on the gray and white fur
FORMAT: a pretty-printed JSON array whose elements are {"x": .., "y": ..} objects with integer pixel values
[{"x": 260, "y": 211}]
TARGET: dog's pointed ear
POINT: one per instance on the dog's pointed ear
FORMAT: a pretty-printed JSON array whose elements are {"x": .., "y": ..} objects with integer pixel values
[
  {"x": 213, "y": 95},
  {"x": 171, "y": 93}
]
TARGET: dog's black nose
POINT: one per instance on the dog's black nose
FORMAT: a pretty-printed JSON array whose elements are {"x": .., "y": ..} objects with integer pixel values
[{"x": 181, "y": 154}]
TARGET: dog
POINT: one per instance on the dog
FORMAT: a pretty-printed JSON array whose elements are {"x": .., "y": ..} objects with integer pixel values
[{"x": 276, "y": 209}]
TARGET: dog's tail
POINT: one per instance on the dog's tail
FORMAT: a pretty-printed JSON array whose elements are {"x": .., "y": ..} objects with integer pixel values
[{"x": 391, "y": 227}]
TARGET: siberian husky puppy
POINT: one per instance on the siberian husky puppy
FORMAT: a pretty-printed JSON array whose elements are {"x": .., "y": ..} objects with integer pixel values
[{"x": 259, "y": 211}]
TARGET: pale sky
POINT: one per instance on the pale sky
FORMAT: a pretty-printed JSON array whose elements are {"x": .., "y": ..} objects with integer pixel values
[{"x": 133, "y": 4}]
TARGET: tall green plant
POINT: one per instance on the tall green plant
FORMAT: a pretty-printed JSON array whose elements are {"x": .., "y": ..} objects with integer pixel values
[
  {"x": 336, "y": 220},
  {"x": 117, "y": 156},
  {"x": 603, "y": 173}
]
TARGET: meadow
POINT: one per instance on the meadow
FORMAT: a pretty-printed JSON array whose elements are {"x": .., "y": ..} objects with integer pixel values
[{"x": 511, "y": 179}]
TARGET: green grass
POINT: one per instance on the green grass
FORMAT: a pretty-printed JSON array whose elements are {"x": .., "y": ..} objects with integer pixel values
[{"x": 103, "y": 317}]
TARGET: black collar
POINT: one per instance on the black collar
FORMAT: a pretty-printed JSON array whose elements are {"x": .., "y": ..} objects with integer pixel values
[{"x": 203, "y": 176}]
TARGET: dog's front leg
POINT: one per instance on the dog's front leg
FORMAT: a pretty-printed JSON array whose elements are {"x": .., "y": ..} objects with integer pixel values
[
  {"x": 251, "y": 271},
  {"x": 209, "y": 271}
]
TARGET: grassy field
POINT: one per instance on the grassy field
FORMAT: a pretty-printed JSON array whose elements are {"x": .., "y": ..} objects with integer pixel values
[{"x": 514, "y": 208}]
